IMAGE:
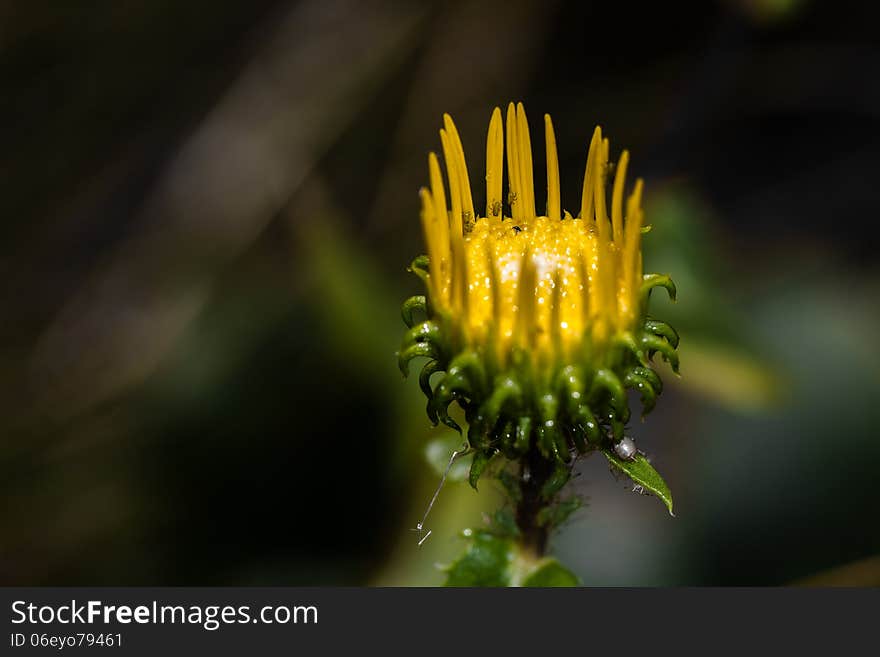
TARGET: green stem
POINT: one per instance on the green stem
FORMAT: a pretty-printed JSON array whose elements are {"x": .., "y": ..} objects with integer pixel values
[{"x": 534, "y": 473}]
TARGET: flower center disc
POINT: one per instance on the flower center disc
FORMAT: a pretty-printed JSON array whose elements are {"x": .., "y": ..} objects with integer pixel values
[{"x": 545, "y": 303}]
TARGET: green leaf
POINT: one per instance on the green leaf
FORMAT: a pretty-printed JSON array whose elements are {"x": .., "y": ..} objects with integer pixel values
[
  {"x": 510, "y": 483},
  {"x": 478, "y": 465},
  {"x": 439, "y": 451},
  {"x": 493, "y": 560},
  {"x": 561, "y": 475},
  {"x": 550, "y": 572},
  {"x": 643, "y": 474},
  {"x": 486, "y": 562},
  {"x": 503, "y": 524},
  {"x": 555, "y": 514}
]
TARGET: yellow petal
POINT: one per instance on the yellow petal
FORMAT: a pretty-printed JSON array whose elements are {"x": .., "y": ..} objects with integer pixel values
[
  {"x": 513, "y": 170},
  {"x": 589, "y": 174},
  {"x": 494, "y": 166},
  {"x": 467, "y": 201},
  {"x": 617, "y": 198},
  {"x": 553, "y": 198},
  {"x": 526, "y": 176}
]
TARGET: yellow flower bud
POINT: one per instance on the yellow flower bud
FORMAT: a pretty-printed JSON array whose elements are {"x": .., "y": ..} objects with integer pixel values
[{"x": 537, "y": 322}]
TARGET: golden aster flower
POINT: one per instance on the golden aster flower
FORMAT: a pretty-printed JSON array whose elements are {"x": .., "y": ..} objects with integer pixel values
[{"x": 538, "y": 322}]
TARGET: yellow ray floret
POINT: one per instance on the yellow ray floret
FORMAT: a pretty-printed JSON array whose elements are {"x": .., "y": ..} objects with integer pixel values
[{"x": 550, "y": 284}]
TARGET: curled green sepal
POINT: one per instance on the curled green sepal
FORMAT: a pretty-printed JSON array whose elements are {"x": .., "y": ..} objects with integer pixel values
[
  {"x": 627, "y": 342},
  {"x": 643, "y": 474},
  {"x": 551, "y": 441},
  {"x": 430, "y": 368},
  {"x": 523, "y": 434},
  {"x": 404, "y": 356},
  {"x": 585, "y": 425},
  {"x": 425, "y": 333},
  {"x": 571, "y": 385},
  {"x": 645, "y": 389},
  {"x": 663, "y": 330},
  {"x": 650, "y": 281},
  {"x": 507, "y": 435},
  {"x": 469, "y": 365},
  {"x": 606, "y": 380},
  {"x": 418, "y": 302},
  {"x": 651, "y": 376},
  {"x": 507, "y": 391},
  {"x": 451, "y": 388},
  {"x": 653, "y": 344},
  {"x": 419, "y": 267}
]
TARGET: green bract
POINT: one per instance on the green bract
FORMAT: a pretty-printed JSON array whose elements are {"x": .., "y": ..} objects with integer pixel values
[{"x": 562, "y": 409}]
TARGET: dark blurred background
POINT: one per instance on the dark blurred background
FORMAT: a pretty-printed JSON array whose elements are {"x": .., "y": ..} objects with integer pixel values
[{"x": 208, "y": 210}]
